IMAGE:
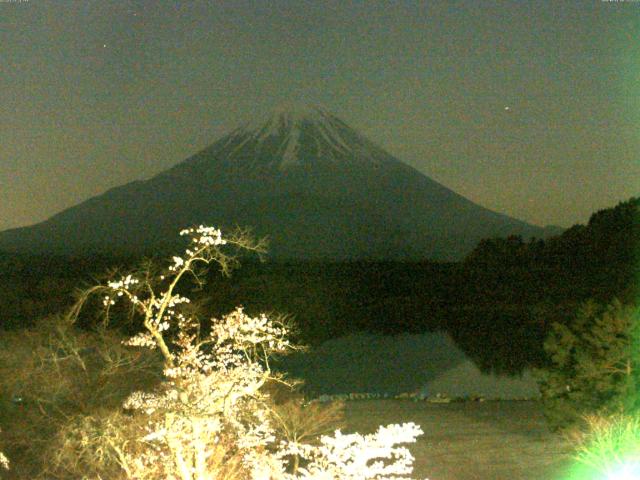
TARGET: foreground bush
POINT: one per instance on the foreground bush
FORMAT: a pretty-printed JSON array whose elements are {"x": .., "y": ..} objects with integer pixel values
[
  {"x": 212, "y": 417},
  {"x": 54, "y": 373},
  {"x": 609, "y": 445},
  {"x": 594, "y": 365}
]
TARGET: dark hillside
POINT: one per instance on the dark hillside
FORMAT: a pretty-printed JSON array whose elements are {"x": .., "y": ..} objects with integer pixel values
[{"x": 498, "y": 304}]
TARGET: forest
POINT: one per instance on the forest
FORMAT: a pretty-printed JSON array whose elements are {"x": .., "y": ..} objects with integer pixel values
[{"x": 498, "y": 303}]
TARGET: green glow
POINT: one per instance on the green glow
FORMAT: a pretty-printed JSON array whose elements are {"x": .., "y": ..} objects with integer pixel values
[
  {"x": 623, "y": 471},
  {"x": 626, "y": 471},
  {"x": 610, "y": 450}
]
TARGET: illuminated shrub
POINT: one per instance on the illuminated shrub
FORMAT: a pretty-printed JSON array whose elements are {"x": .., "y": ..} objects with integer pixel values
[{"x": 609, "y": 446}]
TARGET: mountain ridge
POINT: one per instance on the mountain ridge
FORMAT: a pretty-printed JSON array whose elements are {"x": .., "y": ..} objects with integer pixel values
[{"x": 303, "y": 177}]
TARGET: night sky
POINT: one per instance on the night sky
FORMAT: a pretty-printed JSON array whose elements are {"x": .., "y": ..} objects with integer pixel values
[{"x": 530, "y": 108}]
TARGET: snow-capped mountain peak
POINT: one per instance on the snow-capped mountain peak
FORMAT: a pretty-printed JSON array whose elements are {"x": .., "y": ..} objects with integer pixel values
[
  {"x": 306, "y": 132},
  {"x": 286, "y": 115},
  {"x": 302, "y": 176}
]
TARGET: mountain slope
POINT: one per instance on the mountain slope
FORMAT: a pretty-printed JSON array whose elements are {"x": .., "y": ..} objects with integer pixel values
[{"x": 318, "y": 188}]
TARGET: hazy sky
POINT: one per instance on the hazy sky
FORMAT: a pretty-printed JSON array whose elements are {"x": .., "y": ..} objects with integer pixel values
[{"x": 530, "y": 108}]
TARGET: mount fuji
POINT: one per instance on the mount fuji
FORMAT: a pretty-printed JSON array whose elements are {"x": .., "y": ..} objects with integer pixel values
[{"x": 319, "y": 189}]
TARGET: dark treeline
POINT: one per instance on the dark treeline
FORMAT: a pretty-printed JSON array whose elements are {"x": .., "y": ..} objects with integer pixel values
[{"x": 498, "y": 304}]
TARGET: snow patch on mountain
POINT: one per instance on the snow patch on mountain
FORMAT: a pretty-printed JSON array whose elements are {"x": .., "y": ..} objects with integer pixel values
[
  {"x": 283, "y": 118},
  {"x": 306, "y": 129},
  {"x": 332, "y": 136},
  {"x": 291, "y": 148}
]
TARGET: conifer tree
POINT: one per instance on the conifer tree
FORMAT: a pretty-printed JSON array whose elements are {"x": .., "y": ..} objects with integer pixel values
[{"x": 594, "y": 363}]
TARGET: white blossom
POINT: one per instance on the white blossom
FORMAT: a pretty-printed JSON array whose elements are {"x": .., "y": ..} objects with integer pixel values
[
  {"x": 4, "y": 461},
  {"x": 358, "y": 457},
  {"x": 143, "y": 339},
  {"x": 212, "y": 398}
]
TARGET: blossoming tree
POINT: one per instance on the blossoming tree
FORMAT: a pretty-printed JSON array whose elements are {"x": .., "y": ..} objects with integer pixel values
[
  {"x": 4, "y": 461},
  {"x": 211, "y": 417}
]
